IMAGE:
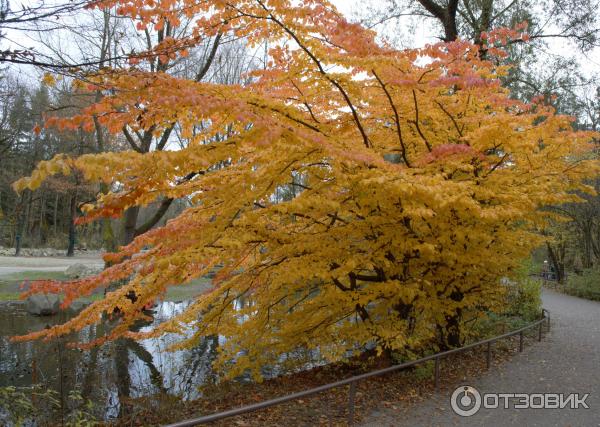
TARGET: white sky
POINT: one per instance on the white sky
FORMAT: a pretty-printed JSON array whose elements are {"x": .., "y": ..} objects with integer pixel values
[{"x": 411, "y": 36}]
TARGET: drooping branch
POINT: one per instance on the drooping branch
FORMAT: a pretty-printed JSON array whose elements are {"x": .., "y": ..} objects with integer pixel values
[
  {"x": 130, "y": 140},
  {"x": 160, "y": 212},
  {"x": 306, "y": 104}
]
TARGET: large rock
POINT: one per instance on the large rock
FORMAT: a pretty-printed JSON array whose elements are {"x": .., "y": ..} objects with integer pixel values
[
  {"x": 43, "y": 304},
  {"x": 77, "y": 271}
]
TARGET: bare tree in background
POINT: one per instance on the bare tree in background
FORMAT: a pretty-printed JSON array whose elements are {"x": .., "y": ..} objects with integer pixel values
[
  {"x": 104, "y": 39},
  {"x": 534, "y": 68},
  {"x": 19, "y": 19}
]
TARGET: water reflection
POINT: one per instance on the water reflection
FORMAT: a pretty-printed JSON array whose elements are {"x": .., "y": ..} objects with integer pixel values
[
  {"x": 105, "y": 374},
  {"x": 108, "y": 374}
]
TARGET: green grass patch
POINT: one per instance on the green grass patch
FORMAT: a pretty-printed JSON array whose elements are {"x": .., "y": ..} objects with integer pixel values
[
  {"x": 189, "y": 290},
  {"x": 14, "y": 296},
  {"x": 34, "y": 275},
  {"x": 10, "y": 291},
  {"x": 91, "y": 298},
  {"x": 9, "y": 296}
]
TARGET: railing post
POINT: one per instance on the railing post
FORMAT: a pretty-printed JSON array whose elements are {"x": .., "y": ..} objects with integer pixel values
[
  {"x": 436, "y": 377},
  {"x": 351, "y": 395},
  {"x": 352, "y": 382},
  {"x": 521, "y": 342},
  {"x": 540, "y": 332}
]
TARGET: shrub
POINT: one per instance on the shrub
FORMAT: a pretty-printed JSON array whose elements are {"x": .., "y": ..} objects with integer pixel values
[
  {"x": 522, "y": 305},
  {"x": 585, "y": 285},
  {"x": 38, "y": 405},
  {"x": 524, "y": 298}
]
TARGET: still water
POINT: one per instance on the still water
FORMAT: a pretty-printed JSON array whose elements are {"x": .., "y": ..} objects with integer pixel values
[
  {"x": 108, "y": 374},
  {"x": 105, "y": 374}
]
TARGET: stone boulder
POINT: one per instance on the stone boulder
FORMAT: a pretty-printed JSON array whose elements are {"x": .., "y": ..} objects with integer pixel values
[
  {"x": 42, "y": 304},
  {"x": 77, "y": 271}
]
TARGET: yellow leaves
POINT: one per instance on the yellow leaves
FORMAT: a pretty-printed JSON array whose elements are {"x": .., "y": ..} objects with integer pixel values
[
  {"x": 87, "y": 208},
  {"x": 49, "y": 79},
  {"x": 59, "y": 164},
  {"x": 321, "y": 239}
]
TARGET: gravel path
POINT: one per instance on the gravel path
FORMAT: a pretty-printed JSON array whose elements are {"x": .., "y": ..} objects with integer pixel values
[
  {"x": 566, "y": 361},
  {"x": 11, "y": 264}
]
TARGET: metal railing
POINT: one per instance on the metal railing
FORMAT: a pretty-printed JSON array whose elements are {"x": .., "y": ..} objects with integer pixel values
[{"x": 353, "y": 380}]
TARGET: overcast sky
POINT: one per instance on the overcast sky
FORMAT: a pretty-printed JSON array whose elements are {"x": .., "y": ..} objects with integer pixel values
[
  {"x": 410, "y": 36},
  {"x": 422, "y": 34}
]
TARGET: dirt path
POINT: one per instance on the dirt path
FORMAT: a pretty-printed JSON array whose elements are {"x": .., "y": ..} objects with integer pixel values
[
  {"x": 566, "y": 361},
  {"x": 11, "y": 264}
]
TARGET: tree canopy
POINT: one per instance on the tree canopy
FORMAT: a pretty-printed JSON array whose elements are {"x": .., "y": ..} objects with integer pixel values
[{"x": 418, "y": 183}]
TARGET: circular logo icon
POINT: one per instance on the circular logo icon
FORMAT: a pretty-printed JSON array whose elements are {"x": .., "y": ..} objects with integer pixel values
[{"x": 465, "y": 401}]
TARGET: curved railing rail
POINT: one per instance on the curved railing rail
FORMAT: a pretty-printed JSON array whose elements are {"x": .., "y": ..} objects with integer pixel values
[{"x": 353, "y": 380}]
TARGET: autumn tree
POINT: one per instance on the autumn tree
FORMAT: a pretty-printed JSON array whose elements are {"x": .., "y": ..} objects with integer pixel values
[{"x": 394, "y": 254}]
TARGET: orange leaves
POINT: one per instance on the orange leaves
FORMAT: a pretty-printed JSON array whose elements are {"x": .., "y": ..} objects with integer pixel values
[
  {"x": 500, "y": 37},
  {"x": 445, "y": 151},
  {"x": 345, "y": 193},
  {"x": 504, "y": 35}
]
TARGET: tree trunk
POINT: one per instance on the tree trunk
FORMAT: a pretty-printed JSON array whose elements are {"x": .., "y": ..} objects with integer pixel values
[
  {"x": 108, "y": 236},
  {"x": 42, "y": 215},
  {"x": 55, "y": 216},
  {"x": 22, "y": 221},
  {"x": 72, "y": 217},
  {"x": 557, "y": 261},
  {"x": 450, "y": 334},
  {"x": 446, "y": 15},
  {"x": 131, "y": 216},
  {"x": 28, "y": 226}
]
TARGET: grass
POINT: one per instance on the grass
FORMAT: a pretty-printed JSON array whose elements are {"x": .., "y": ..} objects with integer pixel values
[
  {"x": 189, "y": 290},
  {"x": 34, "y": 275},
  {"x": 9, "y": 296},
  {"x": 91, "y": 298},
  {"x": 10, "y": 291},
  {"x": 10, "y": 284}
]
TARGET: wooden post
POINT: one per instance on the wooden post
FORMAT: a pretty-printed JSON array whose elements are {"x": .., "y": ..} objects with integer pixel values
[
  {"x": 437, "y": 374},
  {"x": 351, "y": 396},
  {"x": 521, "y": 341}
]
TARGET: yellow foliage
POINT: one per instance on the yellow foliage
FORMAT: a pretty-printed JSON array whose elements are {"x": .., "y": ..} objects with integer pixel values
[
  {"x": 49, "y": 79},
  {"x": 364, "y": 250}
]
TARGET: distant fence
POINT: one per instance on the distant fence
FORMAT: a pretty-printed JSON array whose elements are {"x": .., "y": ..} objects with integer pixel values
[
  {"x": 353, "y": 380},
  {"x": 549, "y": 276}
]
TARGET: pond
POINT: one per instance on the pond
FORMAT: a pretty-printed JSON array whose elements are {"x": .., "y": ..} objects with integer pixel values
[
  {"x": 109, "y": 374},
  {"x": 105, "y": 374}
]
